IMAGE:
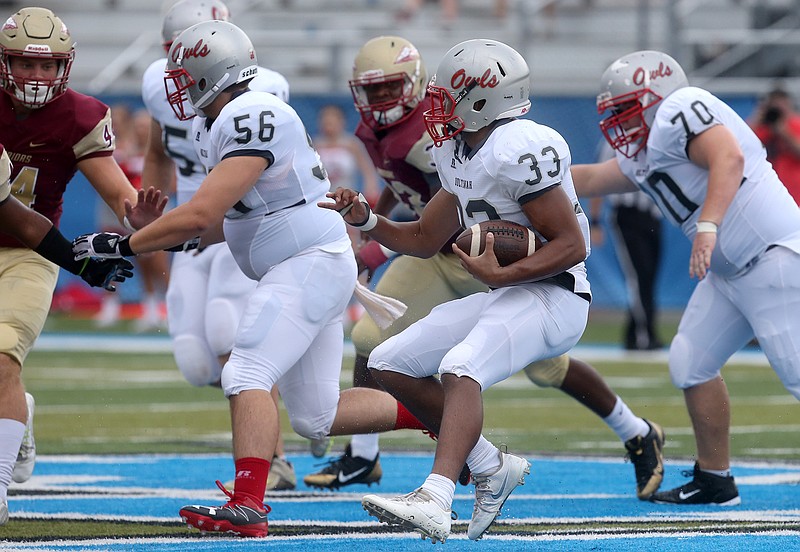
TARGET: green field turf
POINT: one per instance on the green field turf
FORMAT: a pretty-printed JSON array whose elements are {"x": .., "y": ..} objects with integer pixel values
[{"x": 128, "y": 403}]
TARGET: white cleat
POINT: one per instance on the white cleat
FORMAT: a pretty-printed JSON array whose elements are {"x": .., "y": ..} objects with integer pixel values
[
  {"x": 26, "y": 458},
  {"x": 492, "y": 490},
  {"x": 416, "y": 511}
]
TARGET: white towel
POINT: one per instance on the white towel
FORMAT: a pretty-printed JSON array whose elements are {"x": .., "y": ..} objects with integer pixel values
[{"x": 383, "y": 310}]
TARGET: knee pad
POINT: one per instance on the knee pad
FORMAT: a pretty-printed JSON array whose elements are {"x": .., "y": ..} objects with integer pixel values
[
  {"x": 312, "y": 428},
  {"x": 550, "y": 372},
  {"x": 195, "y": 361},
  {"x": 222, "y": 321},
  {"x": 688, "y": 366}
]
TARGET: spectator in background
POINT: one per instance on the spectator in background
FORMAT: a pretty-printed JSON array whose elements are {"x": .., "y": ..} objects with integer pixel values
[
  {"x": 777, "y": 125},
  {"x": 635, "y": 225},
  {"x": 132, "y": 129},
  {"x": 348, "y": 166}
]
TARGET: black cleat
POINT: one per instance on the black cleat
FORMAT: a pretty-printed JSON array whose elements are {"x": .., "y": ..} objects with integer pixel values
[
  {"x": 645, "y": 453},
  {"x": 705, "y": 488},
  {"x": 346, "y": 470}
]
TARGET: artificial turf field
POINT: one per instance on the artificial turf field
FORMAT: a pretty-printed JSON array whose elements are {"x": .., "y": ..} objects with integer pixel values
[{"x": 112, "y": 429}]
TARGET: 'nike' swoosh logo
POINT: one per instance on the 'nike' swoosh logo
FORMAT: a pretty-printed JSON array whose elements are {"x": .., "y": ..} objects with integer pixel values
[
  {"x": 36, "y": 144},
  {"x": 684, "y": 496},
  {"x": 497, "y": 495},
  {"x": 345, "y": 478}
]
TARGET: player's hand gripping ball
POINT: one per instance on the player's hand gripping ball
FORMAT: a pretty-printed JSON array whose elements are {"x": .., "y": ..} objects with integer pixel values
[{"x": 512, "y": 241}]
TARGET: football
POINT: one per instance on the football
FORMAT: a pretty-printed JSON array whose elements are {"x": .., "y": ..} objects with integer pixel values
[{"x": 512, "y": 241}]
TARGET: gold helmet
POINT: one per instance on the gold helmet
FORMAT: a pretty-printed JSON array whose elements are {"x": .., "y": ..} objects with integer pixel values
[
  {"x": 35, "y": 33},
  {"x": 388, "y": 82}
]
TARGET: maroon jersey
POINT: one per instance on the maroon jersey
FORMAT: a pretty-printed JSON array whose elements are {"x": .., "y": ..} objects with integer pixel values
[
  {"x": 401, "y": 155},
  {"x": 46, "y": 146}
]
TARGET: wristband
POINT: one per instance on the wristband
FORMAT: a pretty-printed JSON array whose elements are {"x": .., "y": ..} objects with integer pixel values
[
  {"x": 706, "y": 226},
  {"x": 124, "y": 247},
  {"x": 369, "y": 223},
  {"x": 55, "y": 248}
]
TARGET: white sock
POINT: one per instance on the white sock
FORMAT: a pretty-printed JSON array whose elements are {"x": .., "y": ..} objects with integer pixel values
[
  {"x": 484, "y": 457},
  {"x": 365, "y": 445},
  {"x": 11, "y": 432},
  {"x": 441, "y": 489},
  {"x": 719, "y": 473},
  {"x": 624, "y": 423}
]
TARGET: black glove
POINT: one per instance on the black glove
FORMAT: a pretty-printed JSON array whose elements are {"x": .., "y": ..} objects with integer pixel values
[
  {"x": 104, "y": 245},
  {"x": 105, "y": 272}
]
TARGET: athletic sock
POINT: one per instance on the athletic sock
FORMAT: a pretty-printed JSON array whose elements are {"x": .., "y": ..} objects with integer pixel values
[
  {"x": 484, "y": 457},
  {"x": 11, "y": 433},
  {"x": 365, "y": 445},
  {"x": 251, "y": 478},
  {"x": 441, "y": 489},
  {"x": 625, "y": 423}
]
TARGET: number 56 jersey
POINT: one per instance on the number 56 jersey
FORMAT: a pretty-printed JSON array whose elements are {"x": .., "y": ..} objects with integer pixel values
[{"x": 278, "y": 217}]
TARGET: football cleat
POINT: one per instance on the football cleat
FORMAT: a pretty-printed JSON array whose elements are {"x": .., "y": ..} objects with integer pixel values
[
  {"x": 416, "y": 511},
  {"x": 346, "y": 470},
  {"x": 26, "y": 458},
  {"x": 645, "y": 453},
  {"x": 704, "y": 488},
  {"x": 492, "y": 490},
  {"x": 281, "y": 476},
  {"x": 243, "y": 517}
]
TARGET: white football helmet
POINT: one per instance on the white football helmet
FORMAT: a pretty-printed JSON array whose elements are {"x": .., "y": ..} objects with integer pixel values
[
  {"x": 203, "y": 61},
  {"x": 35, "y": 33},
  {"x": 388, "y": 81},
  {"x": 631, "y": 88},
  {"x": 185, "y": 13},
  {"x": 478, "y": 81}
]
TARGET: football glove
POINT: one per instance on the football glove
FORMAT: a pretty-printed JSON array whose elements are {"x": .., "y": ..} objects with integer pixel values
[
  {"x": 103, "y": 245},
  {"x": 106, "y": 272}
]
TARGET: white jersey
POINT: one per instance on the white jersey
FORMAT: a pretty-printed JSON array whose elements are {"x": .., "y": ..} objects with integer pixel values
[
  {"x": 175, "y": 133},
  {"x": 762, "y": 212},
  {"x": 262, "y": 229},
  {"x": 518, "y": 161}
]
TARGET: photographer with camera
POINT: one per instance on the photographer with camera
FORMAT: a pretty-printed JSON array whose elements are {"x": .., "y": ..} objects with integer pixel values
[{"x": 777, "y": 125}]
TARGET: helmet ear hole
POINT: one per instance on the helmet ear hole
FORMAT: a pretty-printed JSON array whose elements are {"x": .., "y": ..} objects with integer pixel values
[
  {"x": 477, "y": 106},
  {"x": 201, "y": 84}
]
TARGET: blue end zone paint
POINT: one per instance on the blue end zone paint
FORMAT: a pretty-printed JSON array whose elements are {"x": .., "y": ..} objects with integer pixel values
[{"x": 155, "y": 487}]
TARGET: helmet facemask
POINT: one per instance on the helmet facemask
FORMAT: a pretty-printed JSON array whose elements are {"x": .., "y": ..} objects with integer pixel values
[
  {"x": 176, "y": 84},
  {"x": 440, "y": 120},
  {"x": 34, "y": 93},
  {"x": 626, "y": 110},
  {"x": 380, "y": 114}
]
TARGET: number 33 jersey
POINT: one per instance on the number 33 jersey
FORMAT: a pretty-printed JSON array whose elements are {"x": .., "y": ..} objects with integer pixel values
[
  {"x": 519, "y": 161},
  {"x": 762, "y": 212}
]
